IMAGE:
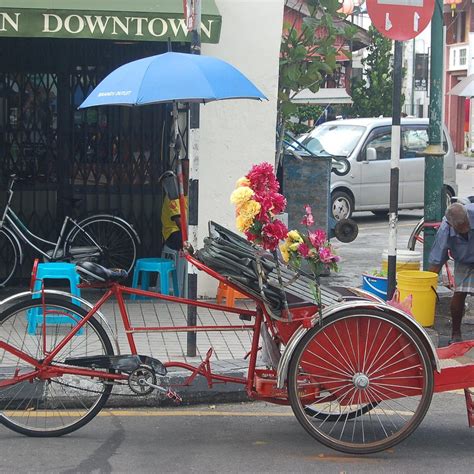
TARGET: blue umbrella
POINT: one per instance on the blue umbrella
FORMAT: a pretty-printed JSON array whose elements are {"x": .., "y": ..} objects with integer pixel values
[{"x": 172, "y": 77}]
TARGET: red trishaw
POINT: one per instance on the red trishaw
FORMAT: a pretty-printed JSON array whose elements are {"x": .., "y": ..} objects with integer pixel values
[{"x": 360, "y": 379}]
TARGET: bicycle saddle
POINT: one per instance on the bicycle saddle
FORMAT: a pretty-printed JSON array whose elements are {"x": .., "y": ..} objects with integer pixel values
[{"x": 93, "y": 272}]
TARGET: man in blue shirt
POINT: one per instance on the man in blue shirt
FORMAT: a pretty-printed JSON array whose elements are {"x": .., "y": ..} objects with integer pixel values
[{"x": 456, "y": 235}]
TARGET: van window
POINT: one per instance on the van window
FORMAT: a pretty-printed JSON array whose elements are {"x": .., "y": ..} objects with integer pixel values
[
  {"x": 382, "y": 143},
  {"x": 414, "y": 141},
  {"x": 334, "y": 138}
]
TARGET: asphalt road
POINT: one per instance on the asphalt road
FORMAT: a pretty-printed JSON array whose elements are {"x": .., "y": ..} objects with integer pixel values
[{"x": 251, "y": 437}]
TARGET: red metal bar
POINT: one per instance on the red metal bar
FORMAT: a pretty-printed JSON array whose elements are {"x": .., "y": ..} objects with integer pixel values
[
  {"x": 192, "y": 368},
  {"x": 18, "y": 379},
  {"x": 253, "y": 352},
  {"x": 470, "y": 407},
  {"x": 76, "y": 328},
  {"x": 56, "y": 370},
  {"x": 177, "y": 299},
  {"x": 454, "y": 378},
  {"x": 125, "y": 319},
  {"x": 20, "y": 354},
  {"x": 189, "y": 328}
]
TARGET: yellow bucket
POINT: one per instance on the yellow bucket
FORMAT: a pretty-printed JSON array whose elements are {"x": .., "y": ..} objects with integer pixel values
[
  {"x": 422, "y": 287},
  {"x": 406, "y": 260}
]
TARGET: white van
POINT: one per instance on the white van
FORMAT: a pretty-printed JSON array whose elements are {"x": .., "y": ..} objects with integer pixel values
[{"x": 366, "y": 143}]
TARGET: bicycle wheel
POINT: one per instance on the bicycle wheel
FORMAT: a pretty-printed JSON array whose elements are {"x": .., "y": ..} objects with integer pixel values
[
  {"x": 415, "y": 242},
  {"x": 9, "y": 256},
  {"x": 117, "y": 242},
  {"x": 361, "y": 383},
  {"x": 56, "y": 405}
]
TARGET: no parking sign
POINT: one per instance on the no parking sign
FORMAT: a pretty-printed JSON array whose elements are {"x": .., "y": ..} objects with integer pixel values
[{"x": 400, "y": 19}]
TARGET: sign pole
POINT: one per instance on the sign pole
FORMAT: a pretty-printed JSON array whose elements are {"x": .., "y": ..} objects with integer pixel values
[
  {"x": 435, "y": 198},
  {"x": 193, "y": 153},
  {"x": 394, "y": 168}
]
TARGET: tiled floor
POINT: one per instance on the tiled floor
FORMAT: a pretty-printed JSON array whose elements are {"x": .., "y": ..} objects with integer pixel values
[{"x": 173, "y": 346}]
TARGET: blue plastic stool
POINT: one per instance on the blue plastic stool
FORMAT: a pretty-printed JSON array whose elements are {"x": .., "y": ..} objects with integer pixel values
[
  {"x": 180, "y": 263},
  {"x": 163, "y": 267},
  {"x": 53, "y": 271}
]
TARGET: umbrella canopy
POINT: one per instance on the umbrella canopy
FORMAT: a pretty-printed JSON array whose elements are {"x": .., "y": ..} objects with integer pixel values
[
  {"x": 464, "y": 88},
  {"x": 172, "y": 77}
]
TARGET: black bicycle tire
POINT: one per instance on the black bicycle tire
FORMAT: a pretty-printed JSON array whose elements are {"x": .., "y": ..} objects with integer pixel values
[
  {"x": 63, "y": 302},
  {"x": 17, "y": 254},
  {"x": 110, "y": 219},
  {"x": 418, "y": 418}
]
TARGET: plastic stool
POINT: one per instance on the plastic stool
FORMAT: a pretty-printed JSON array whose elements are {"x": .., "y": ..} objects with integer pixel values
[
  {"x": 53, "y": 271},
  {"x": 230, "y": 295},
  {"x": 180, "y": 264},
  {"x": 163, "y": 266}
]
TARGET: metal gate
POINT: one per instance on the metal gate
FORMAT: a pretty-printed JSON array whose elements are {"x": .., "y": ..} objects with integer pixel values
[{"x": 83, "y": 162}]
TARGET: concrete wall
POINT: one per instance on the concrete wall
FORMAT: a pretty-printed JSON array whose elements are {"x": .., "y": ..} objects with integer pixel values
[{"x": 238, "y": 133}]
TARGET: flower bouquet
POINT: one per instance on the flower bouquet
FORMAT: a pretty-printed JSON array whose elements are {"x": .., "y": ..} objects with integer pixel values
[{"x": 257, "y": 202}]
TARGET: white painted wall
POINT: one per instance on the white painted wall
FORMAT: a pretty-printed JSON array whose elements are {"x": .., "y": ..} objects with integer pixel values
[{"x": 239, "y": 133}]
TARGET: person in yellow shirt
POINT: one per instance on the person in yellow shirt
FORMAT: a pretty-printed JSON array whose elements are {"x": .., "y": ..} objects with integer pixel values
[
  {"x": 171, "y": 223},
  {"x": 170, "y": 213}
]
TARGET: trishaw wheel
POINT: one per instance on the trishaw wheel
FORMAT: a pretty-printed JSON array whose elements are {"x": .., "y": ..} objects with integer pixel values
[{"x": 362, "y": 382}]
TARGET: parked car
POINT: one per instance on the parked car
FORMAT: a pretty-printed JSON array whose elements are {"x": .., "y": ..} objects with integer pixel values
[{"x": 366, "y": 143}]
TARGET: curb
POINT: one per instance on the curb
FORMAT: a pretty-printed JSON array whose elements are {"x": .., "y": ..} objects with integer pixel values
[
  {"x": 464, "y": 166},
  {"x": 197, "y": 393}
]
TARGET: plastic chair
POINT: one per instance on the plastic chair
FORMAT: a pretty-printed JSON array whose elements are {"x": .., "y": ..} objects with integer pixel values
[
  {"x": 163, "y": 267},
  {"x": 53, "y": 271},
  {"x": 230, "y": 295},
  {"x": 180, "y": 264}
]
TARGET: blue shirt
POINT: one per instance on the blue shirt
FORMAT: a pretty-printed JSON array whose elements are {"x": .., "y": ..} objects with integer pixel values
[{"x": 447, "y": 238}]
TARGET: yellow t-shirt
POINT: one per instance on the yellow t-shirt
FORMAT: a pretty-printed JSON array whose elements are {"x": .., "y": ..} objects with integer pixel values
[{"x": 169, "y": 210}]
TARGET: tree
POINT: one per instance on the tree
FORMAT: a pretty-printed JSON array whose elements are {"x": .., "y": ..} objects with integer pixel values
[
  {"x": 372, "y": 95},
  {"x": 307, "y": 55}
]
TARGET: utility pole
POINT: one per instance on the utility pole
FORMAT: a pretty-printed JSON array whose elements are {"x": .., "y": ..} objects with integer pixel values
[
  {"x": 434, "y": 153},
  {"x": 394, "y": 168},
  {"x": 193, "y": 154}
]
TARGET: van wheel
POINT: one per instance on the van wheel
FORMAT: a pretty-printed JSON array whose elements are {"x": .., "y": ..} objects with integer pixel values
[{"x": 342, "y": 205}]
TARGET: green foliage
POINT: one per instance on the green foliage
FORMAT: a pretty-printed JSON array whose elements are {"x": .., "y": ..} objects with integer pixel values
[
  {"x": 306, "y": 56},
  {"x": 303, "y": 114},
  {"x": 372, "y": 95}
]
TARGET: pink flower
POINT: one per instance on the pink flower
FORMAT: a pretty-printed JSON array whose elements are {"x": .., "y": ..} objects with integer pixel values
[
  {"x": 279, "y": 203},
  {"x": 317, "y": 238},
  {"x": 303, "y": 249},
  {"x": 325, "y": 255},
  {"x": 308, "y": 220}
]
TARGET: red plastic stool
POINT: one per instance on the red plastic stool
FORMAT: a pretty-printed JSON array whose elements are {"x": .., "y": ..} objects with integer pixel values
[{"x": 230, "y": 295}]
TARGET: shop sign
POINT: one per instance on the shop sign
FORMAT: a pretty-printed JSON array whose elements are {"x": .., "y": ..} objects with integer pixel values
[{"x": 90, "y": 25}]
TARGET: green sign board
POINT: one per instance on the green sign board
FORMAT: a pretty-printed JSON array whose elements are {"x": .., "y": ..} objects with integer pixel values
[{"x": 149, "y": 21}]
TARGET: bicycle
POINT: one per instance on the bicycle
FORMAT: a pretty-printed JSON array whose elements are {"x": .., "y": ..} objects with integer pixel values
[
  {"x": 416, "y": 239},
  {"x": 359, "y": 380},
  {"x": 103, "y": 238}
]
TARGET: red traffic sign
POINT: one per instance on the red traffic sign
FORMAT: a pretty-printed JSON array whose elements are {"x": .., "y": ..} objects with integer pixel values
[{"x": 400, "y": 19}]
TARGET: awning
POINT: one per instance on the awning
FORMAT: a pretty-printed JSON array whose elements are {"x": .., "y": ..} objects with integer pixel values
[
  {"x": 120, "y": 20},
  {"x": 464, "y": 88},
  {"x": 324, "y": 96}
]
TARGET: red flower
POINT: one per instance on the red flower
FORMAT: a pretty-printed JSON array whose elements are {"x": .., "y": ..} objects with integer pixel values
[
  {"x": 272, "y": 233},
  {"x": 303, "y": 249},
  {"x": 262, "y": 178}
]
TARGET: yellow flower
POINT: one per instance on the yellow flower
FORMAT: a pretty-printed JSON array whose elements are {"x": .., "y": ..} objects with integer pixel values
[
  {"x": 243, "y": 224},
  {"x": 284, "y": 252},
  {"x": 242, "y": 182},
  {"x": 249, "y": 209},
  {"x": 241, "y": 195},
  {"x": 294, "y": 246},
  {"x": 295, "y": 236}
]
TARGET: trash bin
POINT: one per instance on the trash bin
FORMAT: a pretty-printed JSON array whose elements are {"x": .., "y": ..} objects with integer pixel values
[{"x": 307, "y": 181}]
